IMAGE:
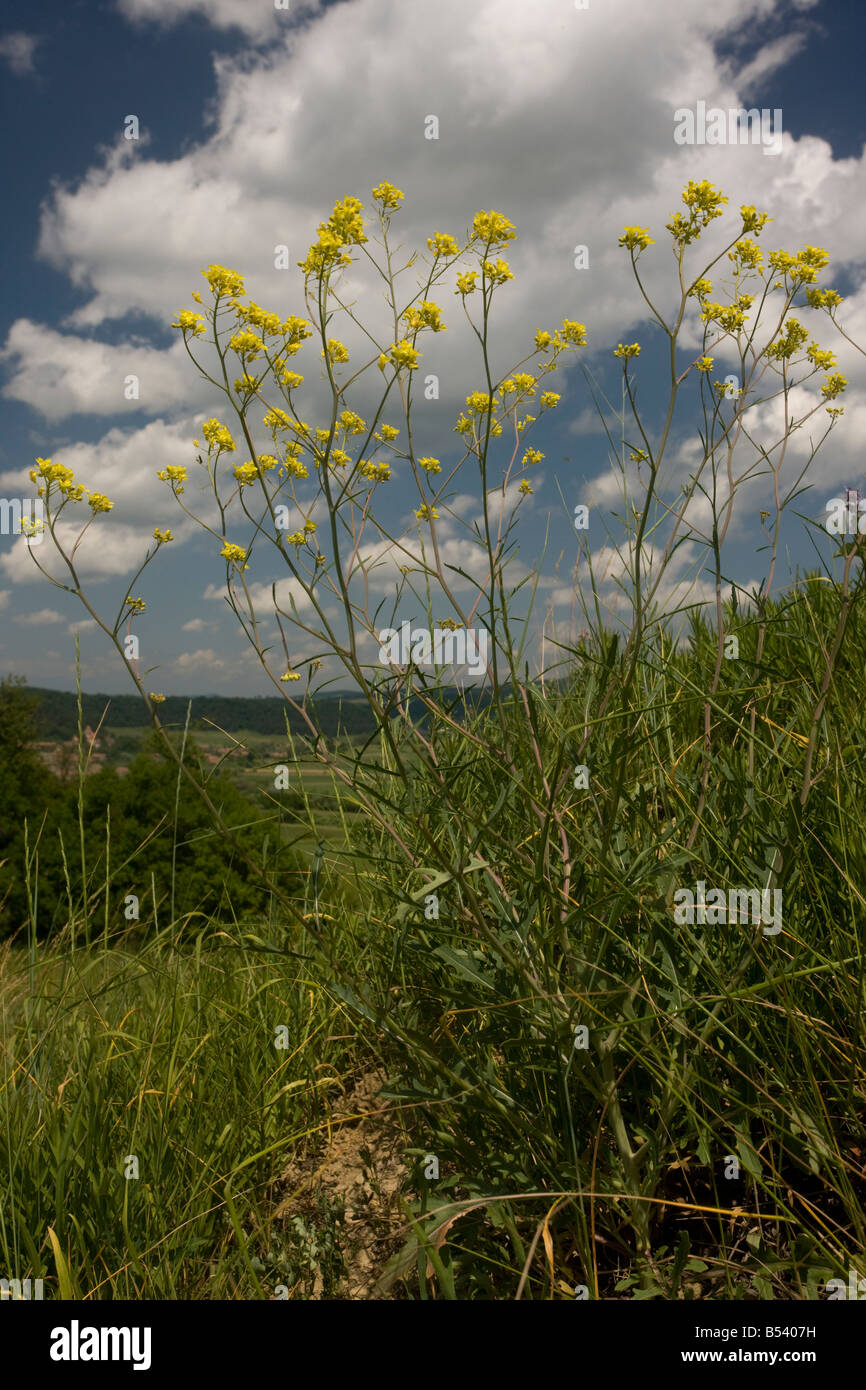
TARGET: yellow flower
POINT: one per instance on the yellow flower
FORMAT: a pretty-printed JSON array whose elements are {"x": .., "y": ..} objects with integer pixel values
[
  {"x": 389, "y": 432},
  {"x": 403, "y": 354},
  {"x": 532, "y": 456},
  {"x": 297, "y": 329},
  {"x": 701, "y": 288},
  {"x": 247, "y": 344},
  {"x": 636, "y": 238},
  {"x": 382, "y": 361},
  {"x": 235, "y": 554},
  {"x": 753, "y": 221},
  {"x": 276, "y": 419},
  {"x": 339, "y": 458},
  {"x": 426, "y": 315},
  {"x": 246, "y": 474},
  {"x": 704, "y": 364},
  {"x": 196, "y": 296},
  {"x": 525, "y": 487},
  {"x": 190, "y": 322},
  {"x": 747, "y": 254},
  {"x": 99, "y": 502},
  {"x": 574, "y": 332},
  {"x": 352, "y": 422},
  {"x": 162, "y": 537},
  {"x": 290, "y": 676},
  {"x": 291, "y": 380},
  {"x": 224, "y": 281},
  {"x": 627, "y": 350},
  {"x": 524, "y": 381},
  {"x": 424, "y": 513},
  {"x": 336, "y": 351},
  {"x": 466, "y": 282},
  {"x": 262, "y": 318},
  {"x": 833, "y": 386},
  {"x": 492, "y": 228},
  {"x": 550, "y": 399},
  {"x": 217, "y": 434},
  {"x": 135, "y": 605},
  {"x": 173, "y": 474},
  {"x": 430, "y": 465},
  {"x": 375, "y": 472},
  {"x": 497, "y": 272},
  {"x": 386, "y": 194},
  {"x": 441, "y": 244},
  {"x": 542, "y": 340},
  {"x": 824, "y": 299},
  {"x": 157, "y": 697}
]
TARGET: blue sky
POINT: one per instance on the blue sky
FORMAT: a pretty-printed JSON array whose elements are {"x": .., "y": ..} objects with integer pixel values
[{"x": 253, "y": 123}]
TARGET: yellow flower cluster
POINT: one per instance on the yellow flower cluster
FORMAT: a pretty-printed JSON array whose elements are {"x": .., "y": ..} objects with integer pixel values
[
  {"x": 492, "y": 228},
  {"x": 747, "y": 255},
  {"x": 573, "y": 332},
  {"x": 276, "y": 419},
  {"x": 336, "y": 351},
  {"x": 135, "y": 605},
  {"x": 497, "y": 271},
  {"x": 821, "y": 357},
  {"x": 753, "y": 221},
  {"x": 701, "y": 288},
  {"x": 174, "y": 474},
  {"x": 525, "y": 487},
  {"x": 550, "y": 400},
  {"x": 730, "y": 317},
  {"x": 542, "y": 340},
  {"x": 247, "y": 344},
  {"x": 265, "y": 319},
  {"x": 290, "y": 676},
  {"x": 704, "y": 202},
  {"x": 352, "y": 423},
  {"x": 345, "y": 227},
  {"x": 375, "y": 472},
  {"x": 217, "y": 435},
  {"x": 190, "y": 322},
  {"x": 824, "y": 299},
  {"x": 292, "y": 380},
  {"x": 636, "y": 238},
  {"x": 235, "y": 554},
  {"x": 245, "y": 385},
  {"x": 430, "y": 465},
  {"x": 388, "y": 434},
  {"x": 532, "y": 456},
  {"x": 704, "y": 364},
  {"x": 425, "y": 315},
  {"x": 99, "y": 502},
  {"x": 224, "y": 281},
  {"x": 802, "y": 268},
  {"x": 466, "y": 282},
  {"x": 339, "y": 458},
  {"x": 58, "y": 475},
  {"x": 424, "y": 513},
  {"x": 441, "y": 244},
  {"x": 162, "y": 537},
  {"x": 627, "y": 350},
  {"x": 386, "y": 194},
  {"x": 794, "y": 337},
  {"x": 833, "y": 385},
  {"x": 402, "y": 354}
]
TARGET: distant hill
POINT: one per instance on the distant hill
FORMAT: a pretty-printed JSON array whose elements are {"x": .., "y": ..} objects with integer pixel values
[{"x": 56, "y": 714}]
